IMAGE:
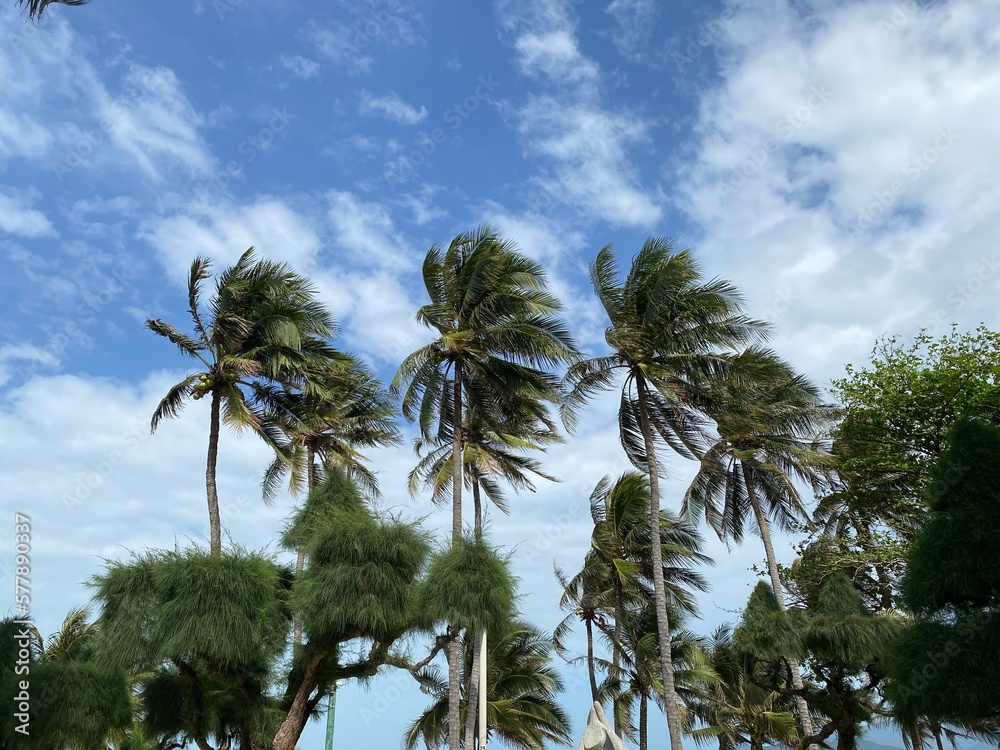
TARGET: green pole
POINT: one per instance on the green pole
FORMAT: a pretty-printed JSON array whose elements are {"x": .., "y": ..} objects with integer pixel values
[{"x": 331, "y": 710}]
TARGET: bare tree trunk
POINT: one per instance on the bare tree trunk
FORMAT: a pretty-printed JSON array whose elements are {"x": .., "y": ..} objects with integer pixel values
[
  {"x": 295, "y": 721},
  {"x": 214, "y": 520},
  {"x": 300, "y": 558},
  {"x": 801, "y": 707},
  {"x": 643, "y": 723},
  {"x": 659, "y": 586},
  {"x": 590, "y": 660},
  {"x": 455, "y": 647}
]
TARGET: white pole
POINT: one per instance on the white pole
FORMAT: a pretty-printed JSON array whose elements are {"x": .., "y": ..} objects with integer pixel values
[{"x": 482, "y": 692}]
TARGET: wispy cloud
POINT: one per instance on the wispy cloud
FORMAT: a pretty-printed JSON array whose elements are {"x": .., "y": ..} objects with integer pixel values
[{"x": 392, "y": 107}]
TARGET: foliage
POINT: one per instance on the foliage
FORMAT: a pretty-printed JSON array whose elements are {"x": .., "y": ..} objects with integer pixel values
[
  {"x": 941, "y": 663},
  {"x": 468, "y": 586},
  {"x": 361, "y": 577},
  {"x": 522, "y": 687},
  {"x": 845, "y": 645}
]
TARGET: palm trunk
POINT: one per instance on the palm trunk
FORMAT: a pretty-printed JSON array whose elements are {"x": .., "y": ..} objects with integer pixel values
[
  {"x": 455, "y": 647},
  {"x": 214, "y": 521},
  {"x": 616, "y": 654},
  {"x": 659, "y": 586},
  {"x": 801, "y": 707},
  {"x": 643, "y": 730},
  {"x": 472, "y": 704},
  {"x": 590, "y": 660},
  {"x": 300, "y": 558}
]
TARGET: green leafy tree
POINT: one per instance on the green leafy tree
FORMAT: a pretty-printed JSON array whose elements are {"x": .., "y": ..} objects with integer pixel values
[
  {"x": 262, "y": 325},
  {"x": 845, "y": 643},
  {"x": 212, "y": 631},
  {"x": 499, "y": 333},
  {"x": 670, "y": 331},
  {"x": 897, "y": 411},
  {"x": 944, "y": 665},
  {"x": 58, "y": 695},
  {"x": 769, "y": 422},
  {"x": 522, "y": 689}
]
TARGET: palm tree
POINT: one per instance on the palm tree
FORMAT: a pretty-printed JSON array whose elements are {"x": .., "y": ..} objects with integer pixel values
[
  {"x": 262, "y": 325},
  {"x": 670, "y": 331},
  {"x": 499, "y": 332},
  {"x": 341, "y": 408},
  {"x": 637, "y": 679},
  {"x": 736, "y": 712},
  {"x": 522, "y": 686},
  {"x": 37, "y": 7},
  {"x": 768, "y": 421},
  {"x": 616, "y": 576}
]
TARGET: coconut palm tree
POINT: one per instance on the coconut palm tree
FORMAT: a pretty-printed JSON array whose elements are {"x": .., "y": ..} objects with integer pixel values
[
  {"x": 734, "y": 710},
  {"x": 37, "y": 7},
  {"x": 262, "y": 326},
  {"x": 616, "y": 576},
  {"x": 522, "y": 687},
  {"x": 341, "y": 408},
  {"x": 637, "y": 678},
  {"x": 768, "y": 425},
  {"x": 499, "y": 333},
  {"x": 670, "y": 332}
]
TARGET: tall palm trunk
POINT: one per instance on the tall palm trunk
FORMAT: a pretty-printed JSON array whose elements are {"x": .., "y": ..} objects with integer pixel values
[
  {"x": 214, "y": 521},
  {"x": 643, "y": 723},
  {"x": 590, "y": 659},
  {"x": 616, "y": 653},
  {"x": 472, "y": 704},
  {"x": 300, "y": 557},
  {"x": 659, "y": 586},
  {"x": 455, "y": 647},
  {"x": 801, "y": 707}
]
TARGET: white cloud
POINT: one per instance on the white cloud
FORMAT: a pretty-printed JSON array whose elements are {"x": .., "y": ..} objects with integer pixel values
[
  {"x": 556, "y": 55},
  {"x": 392, "y": 107},
  {"x": 300, "y": 67},
  {"x": 833, "y": 162},
  {"x": 71, "y": 120},
  {"x": 635, "y": 26},
  {"x": 17, "y": 217},
  {"x": 225, "y": 230},
  {"x": 586, "y": 144}
]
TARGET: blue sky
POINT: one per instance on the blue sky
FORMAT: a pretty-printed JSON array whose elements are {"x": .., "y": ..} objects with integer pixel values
[{"x": 837, "y": 160}]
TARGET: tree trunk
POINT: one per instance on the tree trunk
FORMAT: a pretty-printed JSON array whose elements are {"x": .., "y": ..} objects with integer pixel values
[
  {"x": 214, "y": 521},
  {"x": 455, "y": 647},
  {"x": 590, "y": 660},
  {"x": 616, "y": 654},
  {"x": 659, "y": 586},
  {"x": 295, "y": 721},
  {"x": 472, "y": 704},
  {"x": 300, "y": 558},
  {"x": 643, "y": 731},
  {"x": 801, "y": 707}
]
